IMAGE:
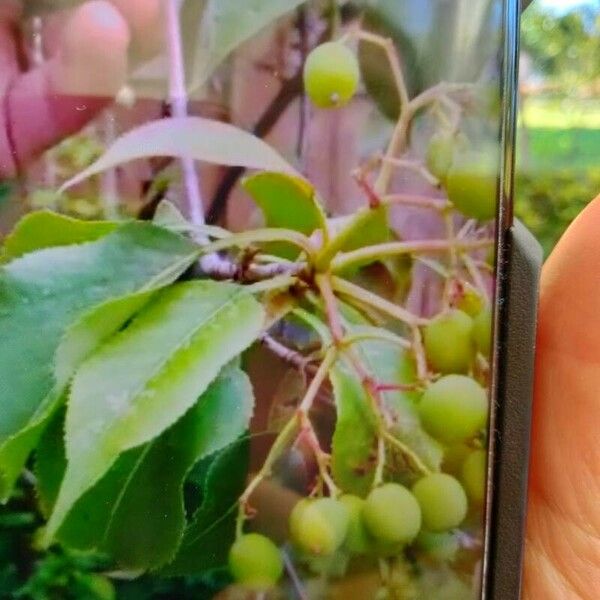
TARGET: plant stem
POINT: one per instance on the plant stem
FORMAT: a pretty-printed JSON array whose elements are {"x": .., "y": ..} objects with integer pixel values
[
  {"x": 413, "y": 165},
  {"x": 377, "y": 334},
  {"x": 378, "y": 251},
  {"x": 394, "y": 441},
  {"x": 476, "y": 276},
  {"x": 275, "y": 283},
  {"x": 317, "y": 381},
  {"x": 247, "y": 238},
  {"x": 324, "y": 283},
  {"x": 385, "y": 306},
  {"x": 108, "y": 180},
  {"x": 416, "y": 201},
  {"x": 179, "y": 106},
  {"x": 282, "y": 441}
]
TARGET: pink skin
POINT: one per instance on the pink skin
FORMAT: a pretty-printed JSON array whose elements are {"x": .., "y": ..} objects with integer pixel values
[{"x": 47, "y": 103}]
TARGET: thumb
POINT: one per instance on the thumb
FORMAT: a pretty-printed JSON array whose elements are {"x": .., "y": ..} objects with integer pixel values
[{"x": 562, "y": 554}]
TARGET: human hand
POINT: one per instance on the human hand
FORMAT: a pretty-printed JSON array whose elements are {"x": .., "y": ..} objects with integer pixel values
[
  {"x": 89, "y": 50},
  {"x": 562, "y": 553}
]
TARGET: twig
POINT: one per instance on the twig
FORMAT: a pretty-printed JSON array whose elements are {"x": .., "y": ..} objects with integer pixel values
[
  {"x": 415, "y": 166},
  {"x": 108, "y": 180},
  {"x": 286, "y": 354},
  {"x": 416, "y": 201},
  {"x": 179, "y": 106},
  {"x": 379, "y": 251},
  {"x": 354, "y": 291}
]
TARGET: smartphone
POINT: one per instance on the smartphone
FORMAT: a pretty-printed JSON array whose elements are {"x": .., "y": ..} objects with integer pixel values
[{"x": 272, "y": 334}]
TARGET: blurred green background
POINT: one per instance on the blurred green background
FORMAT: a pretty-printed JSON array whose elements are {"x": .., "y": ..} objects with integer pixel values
[{"x": 558, "y": 154}]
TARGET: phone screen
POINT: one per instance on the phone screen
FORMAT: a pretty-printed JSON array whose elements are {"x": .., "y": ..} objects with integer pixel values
[{"x": 249, "y": 304}]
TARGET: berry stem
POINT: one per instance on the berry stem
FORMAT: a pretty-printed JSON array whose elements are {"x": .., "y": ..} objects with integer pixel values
[
  {"x": 372, "y": 253},
  {"x": 354, "y": 292}
]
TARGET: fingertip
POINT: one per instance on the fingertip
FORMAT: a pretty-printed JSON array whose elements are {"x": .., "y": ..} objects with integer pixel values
[
  {"x": 144, "y": 18},
  {"x": 570, "y": 288},
  {"x": 93, "y": 51}
]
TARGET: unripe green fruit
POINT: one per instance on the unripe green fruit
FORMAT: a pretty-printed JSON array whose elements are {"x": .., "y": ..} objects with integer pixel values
[
  {"x": 454, "y": 408},
  {"x": 474, "y": 475},
  {"x": 482, "y": 331},
  {"x": 443, "y": 501},
  {"x": 440, "y": 155},
  {"x": 471, "y": 302},
  {"x": 454, "y": 457},
  {"x": 439, "y": 546},
  {"x": 319, "y": 526},
  {"x": 358, "y": 540},
  {"x": 472, "y": 186},
  {"x": 255, "y": 561},
  {"x": 449, "y": 342},
  {"x": 392, "y": 514},
  {"x": 331, "y": 75}
]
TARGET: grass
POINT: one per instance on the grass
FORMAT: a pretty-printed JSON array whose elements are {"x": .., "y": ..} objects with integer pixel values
[{"x": 558, "y": 164}]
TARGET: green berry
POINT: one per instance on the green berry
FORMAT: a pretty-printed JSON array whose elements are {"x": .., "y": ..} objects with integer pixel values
[
  {"x": 440, "y": 155},
  {"x": 392, "y": 514},
  {"x": 470, "y": 302},
  {"x": 482, "y": 331},
  {"x": 358, "y": 540},
  {"x": 443, "y": 501},
  {"x": 439, "y": 546},
  {"x": 331, "y": 75},
  {"x": 474, "y": 475},
  {"x": 472, "y": 188},
  {"x": 454, "y": 408},
  {"x": 319, "y": 526},
  {"x": 449, "y": 342},
  {"x": 255, "y": 561}
]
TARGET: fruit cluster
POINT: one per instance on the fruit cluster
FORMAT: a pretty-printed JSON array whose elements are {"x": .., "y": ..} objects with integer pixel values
[{"x": 423, "y": 511}]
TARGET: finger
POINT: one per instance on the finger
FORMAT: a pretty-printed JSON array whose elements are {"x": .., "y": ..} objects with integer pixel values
[
  {"x": 563, "y": 526},
  {"x": 59, "y": 97},
  {"x": 145, "y": 20}
]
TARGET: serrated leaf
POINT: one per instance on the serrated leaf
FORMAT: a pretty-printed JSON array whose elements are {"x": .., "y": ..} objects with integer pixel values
[
  {"x": 136, "y": 512},
  {"x": 44, "y": 293},
  {"x": 224, "y": 25},
  {"x": 148, "y": 375},
  {"x": 286, "y": 202},
  {"x": 208, "y": 537},
  {"x": 45, "y": 229},
  {"x": 189, "y": 137}
]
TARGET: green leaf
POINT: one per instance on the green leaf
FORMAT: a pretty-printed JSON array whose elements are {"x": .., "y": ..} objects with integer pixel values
[
  {"x": 190, "y": 137},
  {"x": 224, "y": 25},
  {"x": 43, "y": 294},
  {"x": 354, "y": 443},
  {"x": 286, "y": 202},
  {"x": 355, "y": 437},
  {"x": 148, "y": 375},
  {"x": 208, "y": 537},
  {"x": 390, "y": 363},
  {"x": 367, "y": 227},
  {"x": 45, "y": 229},
  {"x": 136, "y": 512}
]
